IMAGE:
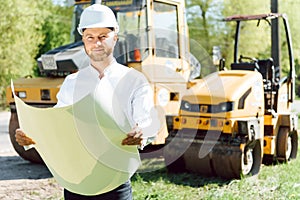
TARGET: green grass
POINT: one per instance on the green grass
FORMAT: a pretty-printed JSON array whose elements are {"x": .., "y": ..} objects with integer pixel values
[
  {"x": 281, "y": 181},
  {"x": 277, "y": 182}
]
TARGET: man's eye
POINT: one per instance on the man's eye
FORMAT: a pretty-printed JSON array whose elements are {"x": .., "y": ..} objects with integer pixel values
[{"x": 102, "y": 37}]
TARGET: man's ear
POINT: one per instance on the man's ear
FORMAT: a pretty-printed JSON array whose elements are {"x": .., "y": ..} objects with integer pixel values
[{"x": 116, "y": 37}]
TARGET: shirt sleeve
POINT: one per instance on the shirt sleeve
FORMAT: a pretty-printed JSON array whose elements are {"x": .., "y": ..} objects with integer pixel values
[
  {"x": 144, "y": 113},
  {"x": 142, "y": 103},
  {"x": 64, "y": 96}
]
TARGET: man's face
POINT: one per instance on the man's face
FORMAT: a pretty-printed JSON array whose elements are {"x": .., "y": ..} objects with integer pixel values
[{"x": 99, "y": 43}]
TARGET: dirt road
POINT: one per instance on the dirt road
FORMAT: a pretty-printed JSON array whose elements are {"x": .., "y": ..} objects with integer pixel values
[{"x": 20, "y": 179}]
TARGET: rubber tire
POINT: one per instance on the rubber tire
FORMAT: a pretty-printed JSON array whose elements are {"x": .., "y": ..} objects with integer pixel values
[
  {"x": 257, "y": 159},
  {"x": 294, "y": 137},
  {"x": 31, "y": 155},
  {"x": 281, "y": 144}
]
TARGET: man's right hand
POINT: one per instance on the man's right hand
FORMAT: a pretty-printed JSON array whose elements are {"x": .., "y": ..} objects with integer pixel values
[{"x": 22, "y": 139}]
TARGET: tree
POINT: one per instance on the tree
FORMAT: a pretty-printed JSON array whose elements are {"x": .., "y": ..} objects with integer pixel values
[
  {"x": 202, "y": 17},
  {"x": 291, "y": 7},
  {"x": 207, "y": 28},
  {"x": 19, "y": 38},
  {"x": 25, "y": 28},
  {"x": 56, "y": 30},
  {"x": 254, "y": 40}
]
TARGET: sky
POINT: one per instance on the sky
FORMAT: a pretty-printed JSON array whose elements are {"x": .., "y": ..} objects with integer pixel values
[
  {"x": 57, "y": 1},
  {"x": 61, "y": 2}
]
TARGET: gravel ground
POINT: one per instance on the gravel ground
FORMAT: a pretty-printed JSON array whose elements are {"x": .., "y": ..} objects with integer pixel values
[{"x": 20, "y": 179}]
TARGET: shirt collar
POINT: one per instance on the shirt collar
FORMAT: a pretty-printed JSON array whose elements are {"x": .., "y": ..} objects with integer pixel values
[
  {"x": 109, "y": 68},
  {"x": 106, "y": 71}
]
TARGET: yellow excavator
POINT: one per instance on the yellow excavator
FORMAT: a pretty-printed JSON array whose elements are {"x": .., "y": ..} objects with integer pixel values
[
  {"x": 234, "y": 120},
  {"x": 153, "y": 39}
]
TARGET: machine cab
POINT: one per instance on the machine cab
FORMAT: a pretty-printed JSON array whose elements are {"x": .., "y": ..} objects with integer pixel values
[{"x": 153, "y": 37}]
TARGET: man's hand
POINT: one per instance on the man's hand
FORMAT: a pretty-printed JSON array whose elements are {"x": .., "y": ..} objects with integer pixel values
[
  {"x": 134, "y": 137},
  {"x": 22, "y": 139}
]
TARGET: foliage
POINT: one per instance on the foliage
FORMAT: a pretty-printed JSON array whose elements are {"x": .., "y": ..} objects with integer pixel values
[
  {"x": 200, "y": 21},
  {"x": 20, "y": 37},
  {"x": 297, "y": 66},
  {"x": 291, "y": 7},
  {"x": 252, "y": 40},
  {"x": 56, "y": 28},
  {"x": 28, "y": 28},
  {"x": 202, "y": 29},
  {"x": 206, "y": 29}
]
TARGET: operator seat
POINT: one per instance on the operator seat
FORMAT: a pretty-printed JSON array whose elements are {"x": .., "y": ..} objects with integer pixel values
[
  {"x": 267, "y": 70},
  {"x": 250, "y": 66}
]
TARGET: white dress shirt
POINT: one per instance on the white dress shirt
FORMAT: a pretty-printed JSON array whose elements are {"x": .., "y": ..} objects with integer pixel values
[{"x": 124, "y": 94}]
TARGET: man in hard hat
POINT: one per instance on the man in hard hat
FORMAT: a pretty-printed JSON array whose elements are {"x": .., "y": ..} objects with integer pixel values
[{"x": 129, "y": 96}]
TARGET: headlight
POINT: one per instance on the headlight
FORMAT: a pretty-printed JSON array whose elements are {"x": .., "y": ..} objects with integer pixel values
[
  {"x": 222, "y": 107},
  {"x": 22, "y": 94},
  {"x": 225, "y": 107},
  {"x": 185, "y": 105},
  {"x": 205, "y": 108}
]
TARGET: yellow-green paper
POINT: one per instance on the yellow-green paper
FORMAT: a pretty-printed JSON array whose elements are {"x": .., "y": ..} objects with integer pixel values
[{"x": 80, "y": 144}]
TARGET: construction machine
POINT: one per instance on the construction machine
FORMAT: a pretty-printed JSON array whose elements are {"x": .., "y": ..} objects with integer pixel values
[
  {"x": 153, "y": 38},
  {"x": 234, "y": 120}
]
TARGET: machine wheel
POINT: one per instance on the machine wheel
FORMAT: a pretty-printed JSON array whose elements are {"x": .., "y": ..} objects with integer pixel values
[
  {"x": 174, "y": 160},
  {"x": 247, "y": 161},
  {"x": 287, "y": 145},
  {"x": 235, "y": 162},
  {"x": 31, "y": 155},
  {"x": 176, "y": 166},
  {"x": 251, "y": 159}
]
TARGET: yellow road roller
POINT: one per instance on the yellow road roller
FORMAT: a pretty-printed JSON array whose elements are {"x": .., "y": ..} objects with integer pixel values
[{"x": 234, "y": 120}]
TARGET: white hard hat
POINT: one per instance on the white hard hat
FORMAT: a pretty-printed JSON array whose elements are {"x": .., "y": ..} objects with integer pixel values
[{"x": 97, "y": 16}]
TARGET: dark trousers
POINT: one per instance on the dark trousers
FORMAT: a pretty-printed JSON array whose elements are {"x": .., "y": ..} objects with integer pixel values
[{"x": 123, "y": 192}]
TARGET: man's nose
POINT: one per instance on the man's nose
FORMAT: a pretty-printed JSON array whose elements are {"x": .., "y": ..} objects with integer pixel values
[{"x": 98, "y": 43}]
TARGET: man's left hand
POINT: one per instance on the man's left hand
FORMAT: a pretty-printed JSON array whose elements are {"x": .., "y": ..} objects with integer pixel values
[{"x": 134, "y": 137}]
